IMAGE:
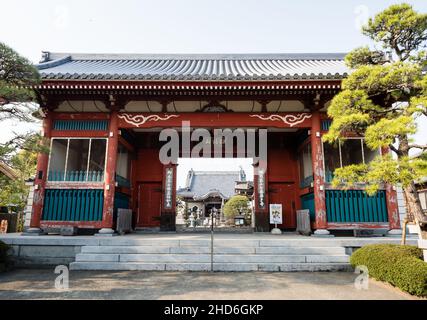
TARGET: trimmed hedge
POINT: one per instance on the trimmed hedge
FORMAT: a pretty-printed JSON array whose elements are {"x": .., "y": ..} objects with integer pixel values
[{"x": 401, "y": 266}]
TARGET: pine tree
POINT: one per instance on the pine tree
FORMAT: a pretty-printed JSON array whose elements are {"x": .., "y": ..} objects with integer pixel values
[{"x": 381, "y": 99}]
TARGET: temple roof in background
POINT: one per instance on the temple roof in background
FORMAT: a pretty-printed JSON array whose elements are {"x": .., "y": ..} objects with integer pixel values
[{"x": 201, "y": 184}]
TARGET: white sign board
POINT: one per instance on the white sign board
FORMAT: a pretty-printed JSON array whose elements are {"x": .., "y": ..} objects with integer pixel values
[{"x": 276, "y": 213}]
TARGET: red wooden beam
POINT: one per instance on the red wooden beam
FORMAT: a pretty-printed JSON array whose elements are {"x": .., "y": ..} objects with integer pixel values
[
  {"x": 81, "y": 133},
  {"x": 79, "y": 116},
  {"x": 73, "y": 185},
  {"x": 79, "y": 224},
  {"x": 361, "y": 225},
  {"x": 215, "y": 120}
]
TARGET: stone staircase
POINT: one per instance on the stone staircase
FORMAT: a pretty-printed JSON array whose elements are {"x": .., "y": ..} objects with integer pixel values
[{"x": 229, "y": 255}]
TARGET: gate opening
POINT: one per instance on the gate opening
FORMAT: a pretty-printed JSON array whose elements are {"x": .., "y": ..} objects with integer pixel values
[{"x": 215, "y": 191}]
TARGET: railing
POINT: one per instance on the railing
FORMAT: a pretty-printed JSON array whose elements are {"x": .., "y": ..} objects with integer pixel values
[
  {"x": 326, "y": 124},
  {"x": 355, "y": 206},
  {"x": 73, "y": 205},
  {"x": 81, "y": 125},
  {"x": 76, "y": 176}
]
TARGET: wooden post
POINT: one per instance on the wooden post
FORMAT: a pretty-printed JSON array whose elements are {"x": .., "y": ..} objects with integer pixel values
[
  {"x": 110, "y": 175},
  {"x": 262, "y": 223},
  {"x": 168, "y": 213},
  {"x": 318, "y": 175},
  {"x": 40, "y": 180}
]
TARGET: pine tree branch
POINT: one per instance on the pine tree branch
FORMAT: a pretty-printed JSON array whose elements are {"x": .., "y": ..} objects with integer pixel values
[
  {"x": 393, "y": 148},
  {"x": 418, "y": 146}
]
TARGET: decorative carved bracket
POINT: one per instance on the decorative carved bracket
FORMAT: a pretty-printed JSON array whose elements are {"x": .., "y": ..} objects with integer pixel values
[
  {"x": 137, "y": 120},
  {"x": 289, "y": 119}
]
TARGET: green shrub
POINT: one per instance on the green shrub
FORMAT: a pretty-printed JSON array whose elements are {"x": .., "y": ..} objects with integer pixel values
[
  {"x": 234, "y": 205},
  {"x": 401, "y": 266}
]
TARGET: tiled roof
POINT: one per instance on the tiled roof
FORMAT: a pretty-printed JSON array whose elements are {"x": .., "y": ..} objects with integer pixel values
[
  {"x": 201, "y": 183},
  {"x": 210, "y": 67}
]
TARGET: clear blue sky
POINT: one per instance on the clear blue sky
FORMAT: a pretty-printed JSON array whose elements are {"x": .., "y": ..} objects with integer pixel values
[
  {"x": 165, "y": 26},
  {"x": 187, "y": 26}
]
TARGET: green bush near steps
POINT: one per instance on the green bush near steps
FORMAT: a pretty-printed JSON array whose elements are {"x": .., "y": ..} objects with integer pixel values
[{"x": 401, "y": 266}]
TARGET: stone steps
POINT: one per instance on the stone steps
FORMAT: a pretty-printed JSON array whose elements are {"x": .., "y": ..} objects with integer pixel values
[
  {"x": 205, "y": 258},
  {"x": 195, "y": 255},
  {"x": 318, "y": 242},
  {"x": 229, "y": 267},
  {"x": 217, "y": 250}
]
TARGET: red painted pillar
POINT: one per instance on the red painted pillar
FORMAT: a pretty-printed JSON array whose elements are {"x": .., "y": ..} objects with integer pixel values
[
  {"x": 392, "y": 205},
  {"x": 318, "y": 174},
  {"x": 392, "y": 208},
  {"x": 40, "y": 180},
  {"x": 110, "y": 175}
]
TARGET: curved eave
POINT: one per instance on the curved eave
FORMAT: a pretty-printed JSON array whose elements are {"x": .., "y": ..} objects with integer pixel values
[
  {"x": 189, "y": 85},
  {"x": 202, "y": 78},
  {"x": 212, "y": 193}
]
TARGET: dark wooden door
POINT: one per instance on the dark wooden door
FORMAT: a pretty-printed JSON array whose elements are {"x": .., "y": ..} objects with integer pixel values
[
  {"x": 150, "y": 195},
  {"x": 284, "y": 193}
]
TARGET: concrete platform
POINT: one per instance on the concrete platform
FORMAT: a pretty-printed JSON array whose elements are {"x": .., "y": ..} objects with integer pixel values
[
  {"x": 232, "y": 252},
  {"x": 197, "y": 239}
]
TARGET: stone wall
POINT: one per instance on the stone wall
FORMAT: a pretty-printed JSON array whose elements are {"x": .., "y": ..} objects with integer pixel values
[
  {"x": 40, "y": 256},
  {"x": 44, "y": 251}
]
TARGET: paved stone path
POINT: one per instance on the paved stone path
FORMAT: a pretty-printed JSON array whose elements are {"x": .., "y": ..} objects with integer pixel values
[{"x": 39, "y": 284}]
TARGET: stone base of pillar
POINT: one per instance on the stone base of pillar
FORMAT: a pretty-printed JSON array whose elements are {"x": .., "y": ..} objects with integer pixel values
[
  {"x": 322, "y": 233},
  {"x": 262, "y": 223},
  {"x": 106, "y": 232},
  {"x": 395, "y": 232},
  {"x": 33, "y": 232},
  {"x": 276, "y": 231}
]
